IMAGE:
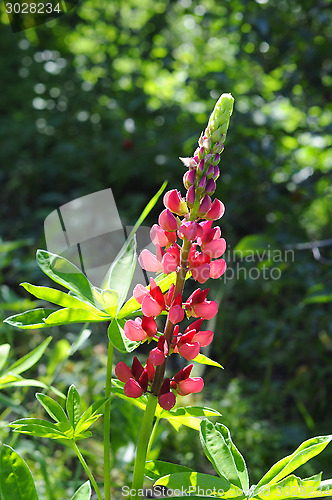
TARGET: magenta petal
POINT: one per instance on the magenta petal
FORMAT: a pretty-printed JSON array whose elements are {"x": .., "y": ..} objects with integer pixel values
[
  {"x": 203, "y": 338},
  {"x": 201, "y": 273},
  {"x": 150, "y": 307},
  {"x": 132, "y": 389},
  {"x": 123, "y": 372},
  {"x": 169, "y": 264},
  {"x": 190, "y": 385},
  {"x": 158, "y": 236},
  {"x": 134, "y": 331},
  {"x": 140, "y": 292},
  {"x": 149, "y": 262},
  {"x": 189, "y": 351},
  {"x": 215, "y": 248},
  {"x": 167, "y": 400},
  {"x": 206, "y": 309},
  {"x": 217, "y": 268},
  {"x": 156, "y": 357},
  {"x": 176, "y": 314}
]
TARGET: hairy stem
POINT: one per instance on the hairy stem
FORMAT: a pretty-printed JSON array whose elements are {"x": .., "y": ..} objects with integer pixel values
[
  {"x": 142, "y": 446},
  {"x": 107, "y": 424}
]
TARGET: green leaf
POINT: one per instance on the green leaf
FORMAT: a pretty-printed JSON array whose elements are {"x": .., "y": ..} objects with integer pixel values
[
  {"x": 16, "y": 481},
  {"x": 73, "y": 406},
  {"x": 30, "y": 319},
  {"x": 60, "y": 298},
  {"x": 200, "y": 482},
  {"x": 42, "y": 428},
  {"x": 30, "y": 359},
  {"x": 67, "y": 316},
  {"x": 223, "y": 454},
  {"x": 22, "y": 382},
  {"x": 300, "y": 456},
  {"x": 186, "y": 416},
  {"x": 289, "y": 487},
  {"x": 4, "y": 351},
  {"x": 65, "y": 273},
  {"x": 89, "y": 416},
  {"x": 117, "y": 336},
  {"x": 120, "y": 274},
  {"x": 83, "y": 492},
  {"x": 154, "y": 469},
  {"x": 204, "y": 360},
  {"x": 52, "y": 407}
]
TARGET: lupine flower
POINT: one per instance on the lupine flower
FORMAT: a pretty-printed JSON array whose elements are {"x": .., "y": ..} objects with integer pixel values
[
  {"x": 136, "y": 379},
  {"x": 190, "y": 219}
]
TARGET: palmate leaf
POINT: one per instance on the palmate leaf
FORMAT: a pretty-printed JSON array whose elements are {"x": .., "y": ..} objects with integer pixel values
[
  {"x": 41, "y": 428},
  {"x": 16, "y": 482}
]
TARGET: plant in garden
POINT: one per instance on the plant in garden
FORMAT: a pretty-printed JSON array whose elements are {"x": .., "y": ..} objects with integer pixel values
[{"x": 186, "y": 245}]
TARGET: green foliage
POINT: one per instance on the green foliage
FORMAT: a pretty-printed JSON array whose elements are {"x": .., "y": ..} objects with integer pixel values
[
  {"x": 16, "y": 482},
  {"x": 83, "y": 493},
  {"x": 233, "y": 480},
  {"x": 67, "y": 427}
]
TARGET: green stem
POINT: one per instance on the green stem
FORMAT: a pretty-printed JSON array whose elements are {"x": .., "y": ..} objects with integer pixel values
[
  {"x": 153, "y": 435},
  {"x": 142, "y": 446},
  {"x": 107, "y": 424},
  {"x": 87, "y": 470}
]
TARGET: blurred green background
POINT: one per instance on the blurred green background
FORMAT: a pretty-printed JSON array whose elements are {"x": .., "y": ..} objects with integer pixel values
[{"x": 110, "y": 95}]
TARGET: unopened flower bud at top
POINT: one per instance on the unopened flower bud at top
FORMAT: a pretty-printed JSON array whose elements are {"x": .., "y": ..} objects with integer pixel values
[
  {"x": 219, "y": 120},
  {"x": 210, "y": 171},
  {"x": 216, "y": 173},
  {"x": 205, "y": 205},
  {"x": 201, "y": 153},
  {"x": 191, "y": 196},
  {"x": 210, "y": 187},
  {"x": 201, "y": 186},
  {"x": 175, "y": 203},
  {"x": 189, "y": 178}
]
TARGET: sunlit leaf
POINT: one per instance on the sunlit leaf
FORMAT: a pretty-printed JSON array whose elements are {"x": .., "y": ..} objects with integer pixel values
[
  {"x": 52, "y": 407},
  {"x": 30, "y": 359},
  {"x": 16, "y": 481},
  {"x": 204, "y": 360},
  {"x": 117, "y": 337},
  {"x": 83, "y": 492},
  {"x": 73, "y": 405}
]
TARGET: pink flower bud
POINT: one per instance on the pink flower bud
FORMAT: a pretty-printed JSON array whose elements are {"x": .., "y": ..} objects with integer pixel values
[
  {"x": 189, "y": 178},
  {"x": 123, "y": 372},
  {"x": 183, "y": 374},
  {"x": 149, "y": 262},
  {"x": 175, "y": 203},
  {"x": 216, "y": 211},
  {"x": 210, "y": 172},
  {"x": 158, "y": 236},
  {"x": 216, "y": 173},
  {"x": 201, "y": 185},
  {"x": 167, "y": 221},
  {"x": 205, "y": 205},
  {"x": 167, "y": 400},
  {"x": 210, "y": 187},
  {"x": 200, "y": 168},
  {"x": 216, "y": 159},
  {"x": 169, "y": 295},
  {"x": 191, "y": 196},
  {"x": 156, "y": 357},
  {"x": 201, "y": 152},
  {"x": 217, "y": 268},
  {"x": 190, "y": 230},
  {"x": 190, "y": 385}
]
